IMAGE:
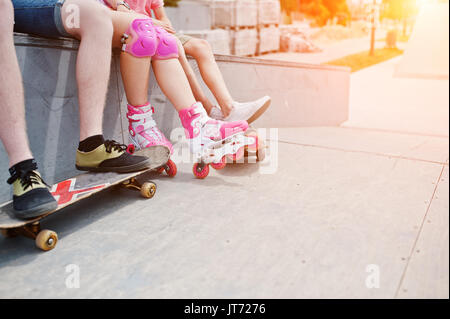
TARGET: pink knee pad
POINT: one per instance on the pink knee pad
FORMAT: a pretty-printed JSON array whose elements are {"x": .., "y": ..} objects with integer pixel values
[
  {"x": 149, "y": 41},
  {"x": 144, "y": 40},
  {"x": 167, "y": 45}
]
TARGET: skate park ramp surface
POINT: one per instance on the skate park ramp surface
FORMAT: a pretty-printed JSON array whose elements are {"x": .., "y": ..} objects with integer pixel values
[
  {"x": 302, "y": 95},
  {"x": 427, "y": 53},
  {"x": 326, "y": 211}
]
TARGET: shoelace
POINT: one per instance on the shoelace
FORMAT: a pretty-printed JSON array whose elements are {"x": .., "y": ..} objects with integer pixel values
[
  {"x": 111, "y": 145},
  {"x": 27, "y": 179}
]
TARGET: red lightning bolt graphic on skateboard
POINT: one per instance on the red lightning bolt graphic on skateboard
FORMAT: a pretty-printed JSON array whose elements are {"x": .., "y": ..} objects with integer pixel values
[{"x": 65, "y": 191}]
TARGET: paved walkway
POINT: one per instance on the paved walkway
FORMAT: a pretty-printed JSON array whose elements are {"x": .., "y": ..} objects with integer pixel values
[
  {"x": 381, "y": 100},
  {"x": 331, "y": 51},
  {"x": 345, "y": 210}
]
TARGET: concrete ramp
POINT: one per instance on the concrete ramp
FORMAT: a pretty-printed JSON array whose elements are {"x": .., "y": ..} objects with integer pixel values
[{"x": 427, "y": 53}]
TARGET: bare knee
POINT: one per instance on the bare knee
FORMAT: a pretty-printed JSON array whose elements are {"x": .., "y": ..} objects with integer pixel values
[
  {"x": 6, "y": 17},
  {"x": 84, "y": 18},
  {"x": 200, "y": 49}
]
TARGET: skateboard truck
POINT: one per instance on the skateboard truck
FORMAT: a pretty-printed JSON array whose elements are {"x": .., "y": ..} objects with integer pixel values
[
  {"x": 44, "y": 239},
  {"x": 147, "y": 189}
]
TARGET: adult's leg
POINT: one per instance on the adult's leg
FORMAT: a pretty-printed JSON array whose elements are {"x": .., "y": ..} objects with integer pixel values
[
  {"x": 201, "y": 51},
  {"x": 31, "y": 197},
  {"x": 95, "y": 31},
  {"x": 12, "y": 105}
]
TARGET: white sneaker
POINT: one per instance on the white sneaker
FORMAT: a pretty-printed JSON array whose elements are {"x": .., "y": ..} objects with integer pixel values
[
  {"x": 216, "y": 113},
  {"x": 248, "y": 111}
]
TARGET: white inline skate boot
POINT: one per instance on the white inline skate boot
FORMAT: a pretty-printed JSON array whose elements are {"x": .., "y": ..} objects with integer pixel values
[
  {"x": 147, "y": 139},
  {"x": 212, "y": 141}
]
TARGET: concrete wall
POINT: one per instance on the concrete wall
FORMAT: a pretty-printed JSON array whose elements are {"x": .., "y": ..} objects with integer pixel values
[
  {"x": 190, "y": 15},
  {"x": 303, "y": 95}
]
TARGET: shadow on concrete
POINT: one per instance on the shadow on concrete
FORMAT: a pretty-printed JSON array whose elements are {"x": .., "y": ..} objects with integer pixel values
[
  {"x": 90, "y": 210},
  {"x": 239, "y": 169},
  {"x": 71, "y": 219}
]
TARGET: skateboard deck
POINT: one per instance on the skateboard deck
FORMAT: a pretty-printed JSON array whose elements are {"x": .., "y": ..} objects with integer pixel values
[{"x": 69, "y": 192}]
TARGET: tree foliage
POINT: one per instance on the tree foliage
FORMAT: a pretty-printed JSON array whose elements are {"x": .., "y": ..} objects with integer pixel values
[
  {"x": 336, "y": 7},
  {"x": 323, "y": 10},
  {"x": 316, "y": 10},
  {"x": 399, "y": 9},
  {"x": 289, "y": 6}
]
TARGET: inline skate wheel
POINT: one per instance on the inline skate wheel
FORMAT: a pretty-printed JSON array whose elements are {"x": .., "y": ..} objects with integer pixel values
[
  {"x": 171, "y": 168},
  {"x": 260, "y": 155},
  {"x": 131, "y": 149},
  {"x": 200, "y": 170},
  {"x": 219, "y": 165},
  {"x": 238, "y": 155},
  {"x": 255, "y": 145}
]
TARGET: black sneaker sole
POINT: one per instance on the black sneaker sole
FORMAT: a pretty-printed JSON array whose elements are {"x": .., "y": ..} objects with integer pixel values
[
  {"x": 36, "y": 211},
  {"x": 159, "y": 155}
]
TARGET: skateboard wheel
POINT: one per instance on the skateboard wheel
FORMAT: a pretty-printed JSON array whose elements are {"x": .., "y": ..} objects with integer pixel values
[
  {"x": 220, "y": 165},
  {"x": 46, "y": 240},
  {"x": 200, "y": 171},
  {"x": 148, "y": 189}
]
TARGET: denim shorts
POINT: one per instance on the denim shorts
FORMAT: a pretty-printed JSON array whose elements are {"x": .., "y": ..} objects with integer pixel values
[{"x": 39, "y": 17}]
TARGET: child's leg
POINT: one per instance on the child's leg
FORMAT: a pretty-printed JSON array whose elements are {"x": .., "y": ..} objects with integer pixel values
[
  {"x": 193, "y": 82},
  {"x": 136, "y": 71},
  {"x": 173, "y": 82},
  {"x": 135, "y": 76},
  {"x": 231, "y": 110},
  {"x": 201, "y": 51}
]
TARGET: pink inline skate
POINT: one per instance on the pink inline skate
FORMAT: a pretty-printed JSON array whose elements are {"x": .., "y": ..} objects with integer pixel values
[
  {"x": 145, "y": 136},
  {"x": 212, "y": 141}
]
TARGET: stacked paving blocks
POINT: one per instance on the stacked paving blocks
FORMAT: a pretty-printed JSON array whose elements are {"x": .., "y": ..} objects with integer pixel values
[
  {"x": 269, "y": 16},
  {"x": 239, "y": 18},
  {"x": 234, "y": 13},
  {"x": 251, "y": 25}
]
